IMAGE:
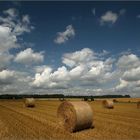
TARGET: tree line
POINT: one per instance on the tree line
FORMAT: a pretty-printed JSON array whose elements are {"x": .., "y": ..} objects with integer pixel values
[{"x": 21, "y": 96}]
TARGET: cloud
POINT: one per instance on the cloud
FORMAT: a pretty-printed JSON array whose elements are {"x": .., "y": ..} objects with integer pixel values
[
  {"x": 63, "y": 37},
  {"x": 23, "y": 26},
  {"x": 16, "y": 24},
  {"x": 111, "y": 17},
  {"x": 40, "y": 69},
  {"x": 129, "y": 74},
  {"x": 7, "y": 77},
  {"x": 108, "y": 17},
  {"x": 5, "y": 59},
  {"x": 29, "y": 57},
  {"x": 126, "y": 87},
  {"x": 78, "y": 57},
  {"x": 49, "y": 79},
  {"x": 77, "y": 72},
  {"x": 82, "y": 68},
  {"x": 11, "y": 12},
  {"x": 11, "y": 27},
  {"x": 16, "y": 83},
  {"x": 123, "y": 84},
  {"x": 60, "y": 75},
  {"x": 85, "y": 71},
  {"x": 132, "y": 74},
  {"x": 26, "y": 19},
  {"x": 128, "y": 61},
  {"x": 7, "y": 39},
  {"x": 90, "y": 73}
]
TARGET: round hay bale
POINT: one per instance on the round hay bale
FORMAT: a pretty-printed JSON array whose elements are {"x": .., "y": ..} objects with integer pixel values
[
  {"x": 115, "y": 101},
  {"x": 138, "y": 104},
  {"x": 30, "y": 102},
  {"x": 88, "y": 99},
  {"x": 75, "y": 116},
  {"x": 61, "y": 99},
  {"x": 108, "y": 104}
]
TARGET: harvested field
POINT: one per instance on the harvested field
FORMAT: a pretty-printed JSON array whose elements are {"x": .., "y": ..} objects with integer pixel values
[{"x": 18, "y": 122}]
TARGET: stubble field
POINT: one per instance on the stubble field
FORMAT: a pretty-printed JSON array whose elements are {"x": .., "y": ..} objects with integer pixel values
[{"x": 18, "y": 122}]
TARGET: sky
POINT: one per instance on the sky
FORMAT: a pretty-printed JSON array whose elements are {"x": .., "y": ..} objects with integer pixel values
[{"x": 71, "y": 48}]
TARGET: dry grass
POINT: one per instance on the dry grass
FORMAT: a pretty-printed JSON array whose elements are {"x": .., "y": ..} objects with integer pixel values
[
  {"x": 18, "y": 122},
  {"x": 131, "y": 100},
  {"x": 138, "y": 104}
]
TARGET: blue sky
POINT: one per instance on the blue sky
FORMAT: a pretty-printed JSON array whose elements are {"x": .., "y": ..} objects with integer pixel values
[{"x": 60, "y": 44}]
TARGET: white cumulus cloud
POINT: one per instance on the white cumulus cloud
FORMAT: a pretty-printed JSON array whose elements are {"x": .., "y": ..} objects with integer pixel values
[
  {"x": 132, "y": 74},
  {"x": 78, "y": 57},
  {"x": 62, "y": 37},
  {"x": 11, "y": 27},
  {"x": 7, "y": 39},
  {"x": 28, "y": 57},
  {"x": 82, "y": 67},
  {"x": 128, "y": 61},
  {"x": 7, "y": 77},
  {"x": 129, "y": 74},
  {"x": 111, "y": 17},
  {"x": 5, "y": 59}
]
